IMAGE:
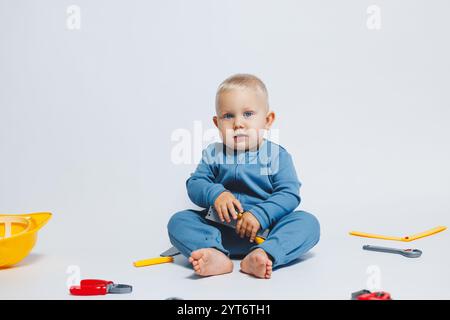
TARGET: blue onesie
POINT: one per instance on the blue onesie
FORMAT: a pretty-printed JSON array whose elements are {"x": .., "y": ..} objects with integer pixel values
[{"x": 266, "y": 184}]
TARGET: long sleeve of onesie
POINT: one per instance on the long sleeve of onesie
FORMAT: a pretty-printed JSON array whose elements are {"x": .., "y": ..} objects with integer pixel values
[
  {"x": 201, "y": 186},
  {"x": 285, "y": 196}
]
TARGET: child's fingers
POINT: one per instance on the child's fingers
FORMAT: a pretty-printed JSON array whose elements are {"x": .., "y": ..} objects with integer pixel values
[
  {"x": 243, "y": 229},
  {"x": 226, "y": 216},
  {"x": 219, "y": 213},
  {"x": 232, "y": 210},
  {"x": 239, "y": 226},
  {"x": 248, "y": 232},
  {"x": 253, "y": 234},
  {"x": 238, "y": 205}
]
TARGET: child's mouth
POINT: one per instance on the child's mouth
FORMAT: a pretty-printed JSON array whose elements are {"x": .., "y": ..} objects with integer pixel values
[{"x": 240, "y": 137}]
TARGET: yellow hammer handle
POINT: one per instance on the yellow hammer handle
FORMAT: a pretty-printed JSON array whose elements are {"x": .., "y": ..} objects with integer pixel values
[
  {"x": 152, "y": 261},
  {"x": 259, "y": 240}
]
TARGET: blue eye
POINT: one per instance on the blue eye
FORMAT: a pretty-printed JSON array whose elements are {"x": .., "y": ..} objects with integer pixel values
[
  {"x": 248, "y": 114},
  {"x": 227, "y": 116}
]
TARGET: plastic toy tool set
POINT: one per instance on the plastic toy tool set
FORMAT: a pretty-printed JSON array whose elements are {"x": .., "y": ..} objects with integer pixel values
[
  {"x": 18, "y": 235},
  {"x": 408, "y": 253}
]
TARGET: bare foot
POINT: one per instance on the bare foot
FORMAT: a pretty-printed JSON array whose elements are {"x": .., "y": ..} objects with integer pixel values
[
  {"x": 210, "y": 262},
  {"x": 258, "y": 264}
]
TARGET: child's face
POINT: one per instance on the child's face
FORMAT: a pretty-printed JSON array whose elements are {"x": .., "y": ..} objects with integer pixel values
[{"x": 242, "y": 117}]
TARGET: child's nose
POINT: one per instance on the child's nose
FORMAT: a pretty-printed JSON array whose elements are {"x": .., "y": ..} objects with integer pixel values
[{"x": 238, "y": 122}]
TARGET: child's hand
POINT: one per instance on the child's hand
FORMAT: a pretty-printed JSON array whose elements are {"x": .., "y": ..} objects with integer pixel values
[
  {"x": 226, "y": 204},
  {"x": 248, "y": 226}
]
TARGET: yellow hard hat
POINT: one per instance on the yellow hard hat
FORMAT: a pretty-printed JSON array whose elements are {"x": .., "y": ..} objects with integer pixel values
[{"x": 18, "y": 235}]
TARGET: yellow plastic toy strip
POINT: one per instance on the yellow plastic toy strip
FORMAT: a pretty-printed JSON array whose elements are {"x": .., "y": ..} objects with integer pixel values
[
  {"x": 160, "y": 260},
  {"x": 404, "y": 239},
  {"x": 425, "y": 233},
  {"x": 152, "y": 261},
  {"x": 259, "y": 240},
  {"x": 375, "y": 236}
]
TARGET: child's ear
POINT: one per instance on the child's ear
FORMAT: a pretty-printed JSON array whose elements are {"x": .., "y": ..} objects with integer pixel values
[
  {"x": 215, "y": 121},
  {"x": 270, "y": 118}
]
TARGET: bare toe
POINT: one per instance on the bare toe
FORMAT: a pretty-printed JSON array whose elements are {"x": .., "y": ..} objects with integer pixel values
[
  {"x": 257, "y": 263},
  {"x": 197, "y": 254},
  {"x": 210, "y": 261}
]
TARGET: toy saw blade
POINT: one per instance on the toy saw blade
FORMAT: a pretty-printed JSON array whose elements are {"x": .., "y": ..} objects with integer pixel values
[{"x": 404, "y": 239}]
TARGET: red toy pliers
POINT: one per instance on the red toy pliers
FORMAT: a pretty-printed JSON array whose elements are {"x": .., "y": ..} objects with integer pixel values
[
  {"x": 94, "y": 287},
  {"x": 367, "y": 295}
]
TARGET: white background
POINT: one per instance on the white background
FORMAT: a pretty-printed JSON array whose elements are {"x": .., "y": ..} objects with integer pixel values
[{"x": 86, "y": 118}]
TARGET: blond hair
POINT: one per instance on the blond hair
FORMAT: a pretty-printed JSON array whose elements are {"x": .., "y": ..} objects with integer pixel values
[{"x": 242, "y": 81}]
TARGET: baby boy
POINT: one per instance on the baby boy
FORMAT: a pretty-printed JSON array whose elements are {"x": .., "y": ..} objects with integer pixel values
[{"x": 246, "y": 175}]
